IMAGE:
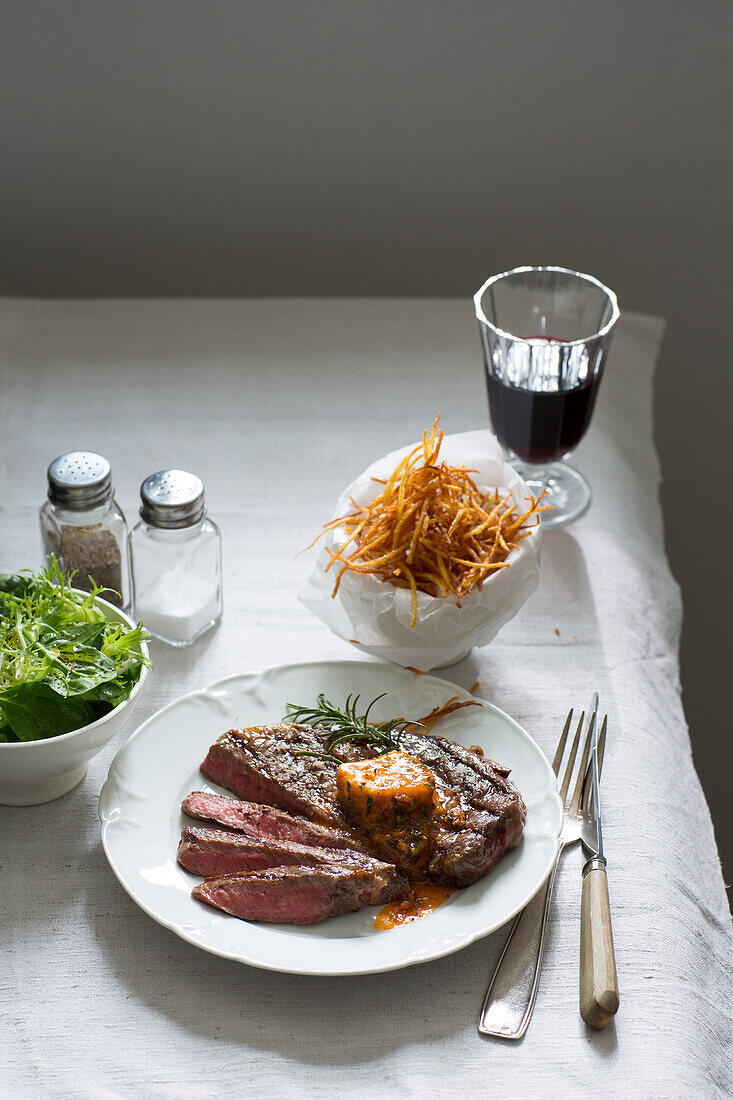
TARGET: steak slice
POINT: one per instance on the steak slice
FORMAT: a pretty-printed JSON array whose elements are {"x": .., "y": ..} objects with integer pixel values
[
  {"x": 221, "y": 852},
  {"x": 301, "y": 895},
  {"x": 267, "y": 822},
  {"x": 270, "y": 764}
]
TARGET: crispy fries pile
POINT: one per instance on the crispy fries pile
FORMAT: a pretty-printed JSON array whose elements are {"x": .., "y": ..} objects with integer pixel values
[{"x": 431, "y": 529}]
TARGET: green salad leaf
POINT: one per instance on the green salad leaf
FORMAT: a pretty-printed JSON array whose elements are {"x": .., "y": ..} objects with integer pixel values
[
  {"x": 62, "y": 664},
  {"x": 34, "y": 712}
]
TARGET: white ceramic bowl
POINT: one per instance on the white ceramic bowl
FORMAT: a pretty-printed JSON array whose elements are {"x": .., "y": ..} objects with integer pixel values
[{"x": 38, "y": 771}]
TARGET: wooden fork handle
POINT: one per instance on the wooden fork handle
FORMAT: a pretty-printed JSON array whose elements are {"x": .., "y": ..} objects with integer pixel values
[{"x": 598, "y": 980}]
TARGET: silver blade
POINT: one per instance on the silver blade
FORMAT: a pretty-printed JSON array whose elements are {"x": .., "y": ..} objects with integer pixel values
[{"x": 591, "y": 827}]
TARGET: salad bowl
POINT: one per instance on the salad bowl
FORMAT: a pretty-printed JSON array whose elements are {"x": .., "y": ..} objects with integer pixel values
[{"x": 32, "y": 772}]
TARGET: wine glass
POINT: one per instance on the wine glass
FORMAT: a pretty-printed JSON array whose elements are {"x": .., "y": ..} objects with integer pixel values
[{"x": 545, "y": 333}]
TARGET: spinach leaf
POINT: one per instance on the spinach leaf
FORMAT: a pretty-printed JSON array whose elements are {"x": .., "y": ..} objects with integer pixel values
[
  {"x": 34, "y": 712},
  {"x": 113, "y": 691},
  {"x": 14, "y": 583},
  {"x": 86, "y": 633},
  {"x": 76, "y": 668}
]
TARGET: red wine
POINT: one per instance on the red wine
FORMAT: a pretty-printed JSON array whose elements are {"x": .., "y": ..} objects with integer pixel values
[{"x": 540, "y": 426}]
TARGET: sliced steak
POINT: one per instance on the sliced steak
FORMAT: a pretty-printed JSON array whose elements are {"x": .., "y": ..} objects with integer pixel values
[
  {"x": 271, "y": 764},
  {"x": 301, "y": 895},
  {"x": 267, "y": 822},
  {"x": 221, "y": 852}
]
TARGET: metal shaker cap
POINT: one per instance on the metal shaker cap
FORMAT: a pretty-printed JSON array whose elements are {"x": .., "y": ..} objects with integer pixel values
[
  {"x": 172, "y": 498},
  {"x": 79, "y": 481}
]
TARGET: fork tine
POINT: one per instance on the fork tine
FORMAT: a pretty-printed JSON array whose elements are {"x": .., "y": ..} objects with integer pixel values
[
  {"x": 573, "y": 809},
  {"x": 588, "y": 791},
  {"x": 602, "y": 744},
  {"x": 561, "y": 744},
  {"x": 571, "y": 759}
]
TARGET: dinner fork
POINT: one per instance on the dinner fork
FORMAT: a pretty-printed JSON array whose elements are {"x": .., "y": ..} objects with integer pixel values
[{"x": 510, "y": 997}]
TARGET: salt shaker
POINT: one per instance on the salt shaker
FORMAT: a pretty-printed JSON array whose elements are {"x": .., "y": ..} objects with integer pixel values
[
  {"x": 175, "y": 559},
  {"x": 82, "y": 525}
]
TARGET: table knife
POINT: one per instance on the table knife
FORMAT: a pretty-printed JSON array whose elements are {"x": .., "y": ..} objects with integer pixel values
[{"x": 598, "y": 981}]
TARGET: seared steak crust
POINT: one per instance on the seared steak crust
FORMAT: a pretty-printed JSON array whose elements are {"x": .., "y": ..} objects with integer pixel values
[
  {"x": 271, "y": 764},
  {"x": 301, "y": 895},
  {"x": 485, "y": 821}
]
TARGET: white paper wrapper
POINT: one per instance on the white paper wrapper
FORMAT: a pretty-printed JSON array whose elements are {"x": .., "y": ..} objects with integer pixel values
[{"x": 377, "y": 615}]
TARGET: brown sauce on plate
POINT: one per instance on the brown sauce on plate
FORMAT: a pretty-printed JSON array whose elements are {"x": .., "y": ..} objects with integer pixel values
[{"x": 425, "y": 898}]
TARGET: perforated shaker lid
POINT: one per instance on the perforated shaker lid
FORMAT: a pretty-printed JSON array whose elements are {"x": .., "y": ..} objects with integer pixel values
[
  {"x": 172, "y": 498},
  {"x": 79, "y": 480}
]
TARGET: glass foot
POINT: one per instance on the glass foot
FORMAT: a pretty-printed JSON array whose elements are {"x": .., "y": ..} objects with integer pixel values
[{"x": 567, "y": 491}]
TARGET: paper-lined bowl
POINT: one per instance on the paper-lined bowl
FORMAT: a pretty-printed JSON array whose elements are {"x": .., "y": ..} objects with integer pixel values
[{"x": 376, "y": 615}]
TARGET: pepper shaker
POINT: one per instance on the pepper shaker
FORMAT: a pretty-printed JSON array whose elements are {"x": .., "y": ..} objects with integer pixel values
[
  {"x": 175, "y": 559},
  {"x": 82, "y": 525}
]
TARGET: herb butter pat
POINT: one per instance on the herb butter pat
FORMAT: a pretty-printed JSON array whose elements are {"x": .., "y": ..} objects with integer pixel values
[{"x": 379, "y": 788}]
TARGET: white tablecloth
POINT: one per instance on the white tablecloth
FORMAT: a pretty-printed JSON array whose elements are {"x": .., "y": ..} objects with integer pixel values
[{"x": 277, "y": 405}]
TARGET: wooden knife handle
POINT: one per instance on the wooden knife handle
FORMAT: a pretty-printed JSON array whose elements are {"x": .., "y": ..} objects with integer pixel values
[{"x": 598, "y": 981}]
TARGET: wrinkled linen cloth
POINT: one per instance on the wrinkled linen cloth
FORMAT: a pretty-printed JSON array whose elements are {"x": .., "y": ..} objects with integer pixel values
[{"x": 278, "y": 405}]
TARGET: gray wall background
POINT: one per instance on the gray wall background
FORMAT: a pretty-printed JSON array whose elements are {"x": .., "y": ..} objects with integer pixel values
[{"x": 403, "y": 147}]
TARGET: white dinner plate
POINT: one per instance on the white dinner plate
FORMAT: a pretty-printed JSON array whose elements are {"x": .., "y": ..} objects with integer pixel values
[{"x": 139, "y": 808}]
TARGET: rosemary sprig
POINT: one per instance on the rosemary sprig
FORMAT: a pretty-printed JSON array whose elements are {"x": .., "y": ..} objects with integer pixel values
[
  {"x": 321, "y": 755},
  {"x": 344, "y": 724}
]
